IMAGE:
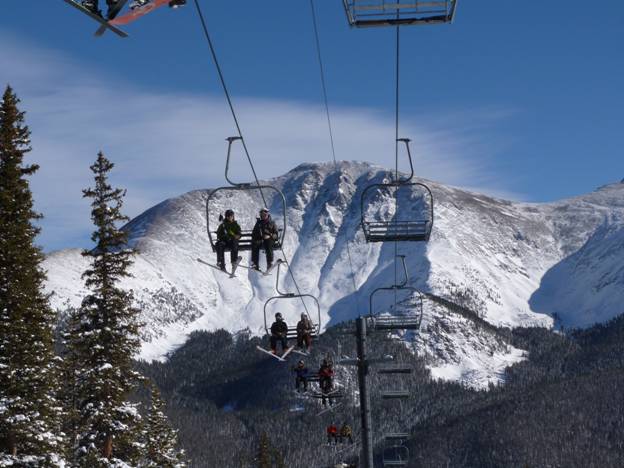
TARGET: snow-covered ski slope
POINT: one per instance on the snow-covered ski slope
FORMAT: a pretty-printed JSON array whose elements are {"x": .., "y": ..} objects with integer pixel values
[{"x": 519, "y": 262}]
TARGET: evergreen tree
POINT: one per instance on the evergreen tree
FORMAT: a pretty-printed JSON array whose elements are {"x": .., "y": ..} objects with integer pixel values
[
  {"x": 29, "y": 433},
  {"x": 103, "y": 338},
  {"x": 263, "y": 457},
  {"x": 161, "y": 440}
]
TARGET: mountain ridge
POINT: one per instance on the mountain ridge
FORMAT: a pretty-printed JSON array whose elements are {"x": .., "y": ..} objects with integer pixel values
[{"x": 510, "y": 258}]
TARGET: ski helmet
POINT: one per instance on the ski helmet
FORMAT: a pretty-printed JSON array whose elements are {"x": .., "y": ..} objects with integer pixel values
[
  {"x": 229, "y": 213},
  {"x": 278, "y": 315},
  {"x": 264, "y": 210}
]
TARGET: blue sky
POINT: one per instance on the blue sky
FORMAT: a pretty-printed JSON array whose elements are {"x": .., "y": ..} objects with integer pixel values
[{"x": 521, "y": 103}]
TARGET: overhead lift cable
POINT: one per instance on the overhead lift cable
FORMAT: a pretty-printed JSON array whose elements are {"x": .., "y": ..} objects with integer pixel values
[
  {"x": 240, "y": 133},
  {"x": 329, "y": 126}
]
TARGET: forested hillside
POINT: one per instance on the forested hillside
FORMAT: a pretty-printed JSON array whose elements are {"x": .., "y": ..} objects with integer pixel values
[{"x": 561, "y": 407}]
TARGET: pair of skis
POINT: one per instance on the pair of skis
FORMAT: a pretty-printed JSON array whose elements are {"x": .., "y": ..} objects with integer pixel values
[
  {"x": 281, "y": 358},
  {"x": 237, "y": 264},
  {"x": 223, "y": 270},
  {"x": 112, "y": 22}
]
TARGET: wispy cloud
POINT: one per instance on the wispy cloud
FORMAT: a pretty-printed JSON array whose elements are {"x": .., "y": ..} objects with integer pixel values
[{"x": 165, "y": 144}]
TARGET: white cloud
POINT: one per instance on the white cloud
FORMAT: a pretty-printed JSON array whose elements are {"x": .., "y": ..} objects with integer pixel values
[{"x": 165, "y": 144}]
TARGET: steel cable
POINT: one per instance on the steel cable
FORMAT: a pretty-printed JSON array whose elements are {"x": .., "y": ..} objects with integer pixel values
[{"x": 240, "y": 134}]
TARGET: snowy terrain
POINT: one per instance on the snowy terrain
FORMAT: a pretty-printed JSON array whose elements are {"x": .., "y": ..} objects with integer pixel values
[{"x": 518, "y": 263}]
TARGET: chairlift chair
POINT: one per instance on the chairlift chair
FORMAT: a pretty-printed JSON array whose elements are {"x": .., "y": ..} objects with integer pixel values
[
  {"x": 287, "y": 296},
  {"x": 244, "y": 243},
  {"x": 395, "y": 453},
  {"x": 384, "y": 228},
  {"x": 367, "y": 13},
  {"x": 398, "y": 320}
]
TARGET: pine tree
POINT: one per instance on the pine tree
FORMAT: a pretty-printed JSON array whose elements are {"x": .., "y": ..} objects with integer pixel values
[
  {"x": 103, "y": 338},
  {"x": 29, "y": 416},
  {"x": 161, "y": 440},
  {"x": 263, "y": 458}
]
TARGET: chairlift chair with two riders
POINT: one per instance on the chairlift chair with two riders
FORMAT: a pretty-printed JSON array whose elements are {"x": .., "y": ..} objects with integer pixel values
[
  {"x": 399, "y": 319},
  {"x": 289, "y": 298},
  {"x": 411, "y": 222},
  {"x": 232, "y": 195},
  {"x": 369, "y": 13}
]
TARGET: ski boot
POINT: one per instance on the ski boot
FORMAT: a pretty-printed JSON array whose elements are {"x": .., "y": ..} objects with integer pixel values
[
  {"x": 91, "y": 5},
  {"x": 177, "y": 3},
  {"x": 222, "y": 267},
  {"x": 138, "y": 4}
]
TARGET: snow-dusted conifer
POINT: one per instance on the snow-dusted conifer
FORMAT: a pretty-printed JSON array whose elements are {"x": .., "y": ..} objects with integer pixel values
[
  {"x": 29, "y": 434},
  {"x": 161, "y": 440},
  {"x": 103, "y": 338}
]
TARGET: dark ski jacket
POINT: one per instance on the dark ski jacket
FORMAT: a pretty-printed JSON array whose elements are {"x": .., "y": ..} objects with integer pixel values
[
  {"x": 228, "y": 230},
  {"x": 279, "y": 328},
  {"x": 264, "y": 228},
  {"x": 304, "y": 327}
]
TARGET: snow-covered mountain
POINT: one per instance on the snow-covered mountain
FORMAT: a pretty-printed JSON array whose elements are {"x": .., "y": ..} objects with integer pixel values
[{"x": 516, "y": 263}]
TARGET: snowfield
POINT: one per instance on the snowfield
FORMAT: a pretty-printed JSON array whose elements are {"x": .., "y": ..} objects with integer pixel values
[{"x": 516, "y": 263}]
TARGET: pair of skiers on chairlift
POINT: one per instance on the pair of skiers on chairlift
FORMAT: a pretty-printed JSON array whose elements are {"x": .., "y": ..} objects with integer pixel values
[
  {"x": 264, "y": 235},
  {"x": 325, "y": 376},
  {"x": 279, "y": 334},
  {"x": 334, "y": 435},
  {"x": 93, "y": 7}
]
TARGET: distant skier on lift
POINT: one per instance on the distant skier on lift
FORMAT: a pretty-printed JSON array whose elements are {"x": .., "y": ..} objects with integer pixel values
[
  {"x": 301, "y": 376},
  {"x": 279, "y": 331},
  {"x": 228, "y": 234},
  {"x": 326, "y": 375},
  {"x": 345, "y": 433},
  {"x": 304, "y": 333},
  {"x": 264, "y": 234}
]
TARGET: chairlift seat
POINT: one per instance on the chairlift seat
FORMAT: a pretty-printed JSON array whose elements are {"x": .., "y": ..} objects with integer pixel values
[
  {"x": 244, "y": 243},
  {"x": 388, "y": 231},
  {"x": 394, "y": 394},
  {"x": 395, "y": 370},
  {"x": 292, "y": 332},
  {"x": 368, "y": 13},
  {"x": 397, "y": 322}
]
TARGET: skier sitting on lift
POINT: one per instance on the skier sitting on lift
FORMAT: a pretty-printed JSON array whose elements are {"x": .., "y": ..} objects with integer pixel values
[
  {"x": 304, "y": 333},
  {"x": 279, "y": 330},
  {"x": 332, "y": 432},
  {"x": 264, "y": 234},
  {"x": 228, "y": 234},
  {"x": 346, "y": 433},
  {"x": 301, "y": 376},
  {"x": 326, "y": 374}
]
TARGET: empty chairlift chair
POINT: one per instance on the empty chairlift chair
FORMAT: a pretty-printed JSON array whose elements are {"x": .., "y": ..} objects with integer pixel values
[
  {"x": 406, "y": 317},
  {"x": 367, "y": 13},
  {"x": 230, "y": 196},
  {"x": 395, "y": 453},
  {"x": 412, "y": 218}
]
